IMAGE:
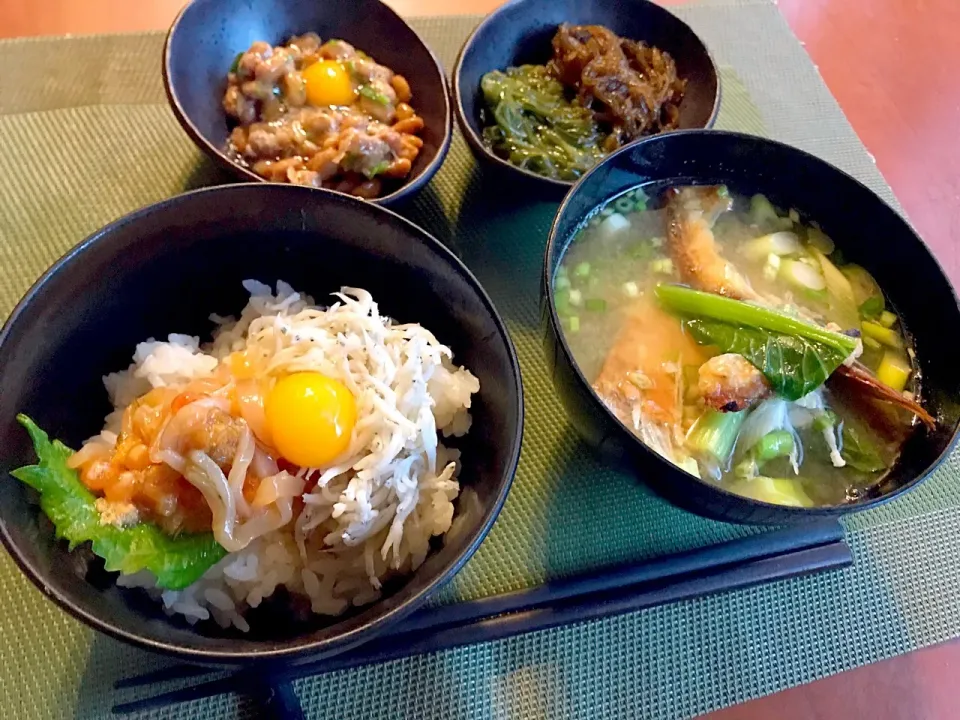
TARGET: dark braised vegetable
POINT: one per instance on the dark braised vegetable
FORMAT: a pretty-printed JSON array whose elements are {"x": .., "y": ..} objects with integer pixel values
[{"x": 631, "y": 86}]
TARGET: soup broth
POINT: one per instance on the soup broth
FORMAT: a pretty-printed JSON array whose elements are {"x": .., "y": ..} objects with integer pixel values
[{"x": 638, "y": 294}]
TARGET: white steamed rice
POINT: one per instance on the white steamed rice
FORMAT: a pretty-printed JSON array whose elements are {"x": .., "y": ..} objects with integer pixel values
[{"x": 371, "y": 515}]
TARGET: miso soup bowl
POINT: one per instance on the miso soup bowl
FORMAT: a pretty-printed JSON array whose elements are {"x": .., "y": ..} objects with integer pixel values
[{"x": 868, "y": 231}]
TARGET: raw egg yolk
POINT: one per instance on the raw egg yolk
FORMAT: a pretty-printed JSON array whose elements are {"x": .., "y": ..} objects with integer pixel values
[
  {"x": 328, "y": 83},
  {"x": 311, "y": 417}
]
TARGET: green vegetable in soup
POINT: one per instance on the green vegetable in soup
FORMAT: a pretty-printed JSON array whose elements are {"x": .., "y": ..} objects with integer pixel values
[
  {"x": 866, "y": 292},
  {"x": 765, "y": 216},
  {"x": 796, "y": 357},
  {"x": 714, "y": 435},
  {"x": 859, "y": 452},
  {"x": 536, "y": 127},
  {"x": 778, "y": 243},
  {"x": 802, "y": 276},
  {"x": 820, "y": 241},
  {"x": 776, "y": 491},
  {"x": 776, "y": 444},
  {"x": 175, "y": 561},
  {"x": 773, "y": 445},
  {"x": 840, "y": 297},
  {"x": 887, "y": 319},
  {"x": 883, "y": 335}
]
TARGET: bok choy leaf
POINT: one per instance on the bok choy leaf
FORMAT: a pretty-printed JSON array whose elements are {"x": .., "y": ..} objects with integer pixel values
[
  {"x": 175, "y": 561},
  {"x": 795, "y": 356}
]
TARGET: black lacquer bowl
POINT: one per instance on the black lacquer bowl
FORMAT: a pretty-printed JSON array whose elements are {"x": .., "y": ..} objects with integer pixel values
[
  {"x": 867, "y": 230},
  {"x": 164, "y": 269},
  {"x": 207, "y": 35},
  {"x": 520, "y": 32}
]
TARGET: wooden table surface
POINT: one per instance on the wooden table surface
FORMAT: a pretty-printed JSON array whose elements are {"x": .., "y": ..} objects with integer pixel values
[{"x": 893, "y": 65}]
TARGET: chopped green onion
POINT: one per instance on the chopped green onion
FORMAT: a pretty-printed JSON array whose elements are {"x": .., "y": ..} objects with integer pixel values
[
  {"x": 380, "y": 167},
  {"x": 562, "y": 282},
  {"x": 802, "y": 276},
  {"x": 623, "y": 204},
  {"x": 883, "y": 335},
  {"x": 887, "y": 319},
  {"x": 561, "y": 300},
  {"x": 576, "y": 298},
  {"x": 236, "y": 62},
  {"x": 662, "y": 265},
  {"x": 582, "y": 270},
  {"x": 596, "y": 305},
  {"x": 714, "y": 435},
  {"x": 574, "y": 321},
  {"x": 371, "y": 93},
  {"x": 894, "y": 370},
  {"x": 869, "y": 342},
  {"x": 776, "y": 444},
  {"x": 778, "y": 243}
]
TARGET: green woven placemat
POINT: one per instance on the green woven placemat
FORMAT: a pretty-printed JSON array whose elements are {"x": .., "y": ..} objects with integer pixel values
[{"x": 87, "y": 137}]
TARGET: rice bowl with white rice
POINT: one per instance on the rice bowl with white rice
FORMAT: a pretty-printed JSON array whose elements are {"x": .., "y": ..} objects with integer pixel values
[{"x": 301, "y": 449}]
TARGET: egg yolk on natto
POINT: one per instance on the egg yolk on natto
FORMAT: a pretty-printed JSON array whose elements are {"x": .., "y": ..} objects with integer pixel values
[
  {"x": 310, "y": 417},
  {"x": 328, "y": 83}
]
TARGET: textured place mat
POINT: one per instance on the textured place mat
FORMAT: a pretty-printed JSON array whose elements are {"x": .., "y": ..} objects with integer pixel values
[{"x": 87, "y": 137}]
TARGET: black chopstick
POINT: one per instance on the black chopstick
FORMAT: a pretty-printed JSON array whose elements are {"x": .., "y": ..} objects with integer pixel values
[
  {"x": 752, "y": 547},
  {"x": 615, "y": 602},
  {"x": 744, "y": 562}
]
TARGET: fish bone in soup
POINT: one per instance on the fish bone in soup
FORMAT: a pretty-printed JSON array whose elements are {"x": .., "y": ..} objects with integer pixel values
[{"x": 733, "y": 339}]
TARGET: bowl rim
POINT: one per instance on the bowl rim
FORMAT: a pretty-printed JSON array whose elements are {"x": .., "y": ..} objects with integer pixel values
[
  {"x": 409, "y": 187},
  {"x": 553, "y": 241},
  {"x": 476, "y": 142},
  {"x": 295, "y": 647}
]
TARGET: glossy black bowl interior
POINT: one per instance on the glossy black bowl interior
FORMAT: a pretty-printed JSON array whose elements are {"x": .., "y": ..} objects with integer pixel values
[
  {"x": 207, "y": 35},
  {"x": 164, "y": 269},
  {"x": 520, "y": 33},
  {"x": 867, "y": 230}
]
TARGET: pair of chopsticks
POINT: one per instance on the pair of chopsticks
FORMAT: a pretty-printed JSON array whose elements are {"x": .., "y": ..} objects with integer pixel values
[{"x": 605, "y": 592}]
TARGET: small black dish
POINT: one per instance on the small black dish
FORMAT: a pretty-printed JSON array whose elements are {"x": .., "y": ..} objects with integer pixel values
[
  {"x": 164, "y": 269},
  {"x": 863, "y": 226},
  {"x": 207, "y": 35},
  {"x": 520, "y": 32}
]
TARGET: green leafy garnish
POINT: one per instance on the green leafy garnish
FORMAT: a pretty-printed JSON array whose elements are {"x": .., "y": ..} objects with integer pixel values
[
  {"x": 371, "y": 93},
  {"x": 236, "y": 62},
  {"x": 859, "y": 452},
  {"x": 535, "y": 126},
  {"x": 796, "y": 357},
  {"x": 175, "y": 561}
]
